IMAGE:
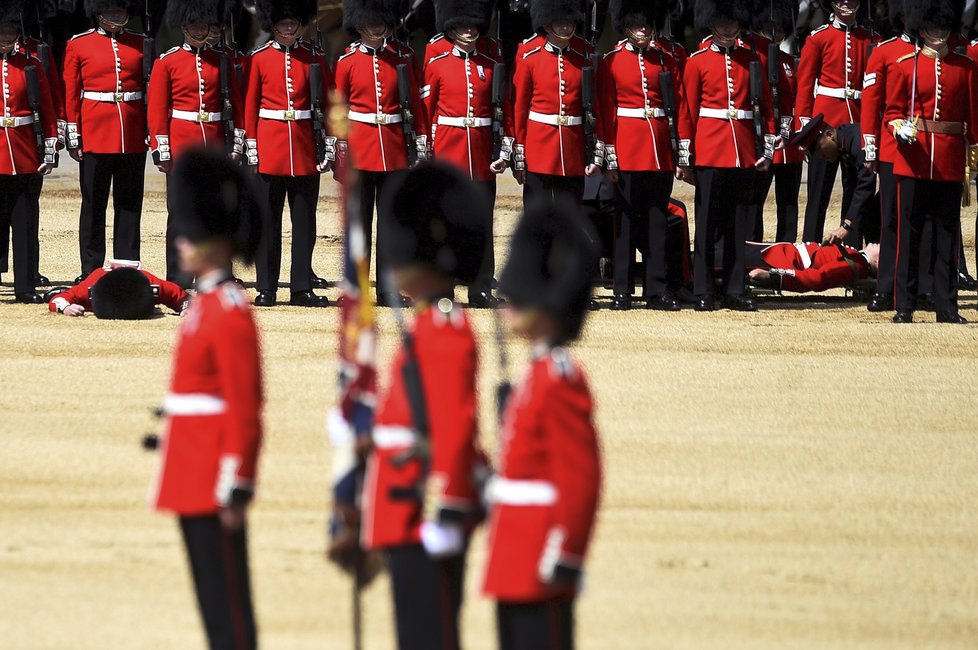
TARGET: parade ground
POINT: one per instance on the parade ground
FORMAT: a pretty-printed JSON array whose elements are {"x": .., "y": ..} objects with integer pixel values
[{"x": 800, "y": 477}]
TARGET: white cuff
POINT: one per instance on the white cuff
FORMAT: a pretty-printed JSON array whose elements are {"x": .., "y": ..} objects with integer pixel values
[
  {"x": 551, "y": 554},
  {"x": 506, "y": 148},
  {"x": 785, "y": 131},
  {"x": 869, "y": 147},
  {"x": 610, "y": 157},
  {"x": 330, "y": 145},
  {"x": 251, "y": 151},
  {"x": 442, "y": 540},
  {"x": 163, "y": 147},
  {"x": 519, "y": 158},
  {"x": 61, "y": 304},
  {"x": 226, "y": 478},
  {"x": 239, "y": 139},
  {"x": 50, "y": 150},
  {"x": 72, "y": 136},
  {"x": 684, "y": 153},
  {"x": 769, "y": 146}
]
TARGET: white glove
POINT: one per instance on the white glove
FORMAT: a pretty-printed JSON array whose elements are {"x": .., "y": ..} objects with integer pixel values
[{"x": 442, "y": 540}]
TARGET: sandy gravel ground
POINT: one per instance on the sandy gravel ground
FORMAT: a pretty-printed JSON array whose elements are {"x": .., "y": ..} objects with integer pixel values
[{"x": 802, "y": 477}]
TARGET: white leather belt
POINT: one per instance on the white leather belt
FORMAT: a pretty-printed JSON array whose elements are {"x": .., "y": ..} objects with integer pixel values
[
  {"x": 839, "y": 93},
  {"x": 521, "y": 493},
  {"x": 193, "y": 404},
  {"x": 727, "y": 114},
  {"x": 11, "y": 122},
  {"x": 470, "y": 122},
  {"x": 375, "y": 118},
  {"x": 193, "y": 116},
  {"x": 284, "y": 116},
  {"x": 556, "y": 120},
  {"x": 112, "y": 97},
  {"x": 385, "y": 437},
  {"x": 806, "y": 259},
  {"x": 643, "y": 113}
]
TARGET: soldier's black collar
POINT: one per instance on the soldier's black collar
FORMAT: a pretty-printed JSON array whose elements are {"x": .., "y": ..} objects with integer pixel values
[
  {"x": 286, "y": 48},
  {"x": 372, "y": 51},
  {"x": 838, "y": 24},
  {"x": 553, "y": 49},
  {"x": 724, "y": 50},
  {"x": 631, "y": 47},
  {"x": 462, "y": 54},
  {"x": 194, "y": 50}
]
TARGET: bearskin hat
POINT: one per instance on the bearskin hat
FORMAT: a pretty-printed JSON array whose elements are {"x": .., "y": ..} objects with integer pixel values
[
  {"x": 360, "y": 13},
  {"x": 38, "y": 10},
  {"x": 94, "y": 7},
  {"x": 214, "y": 199},
  {"x": 194, "y": 12},
  {"x": 782, "y": 13},
  {"x": 895, "y": 13},
  {"x": 458, "y": 13},
  {"x": 435, "y": 216},
  {"x": 635, "y": 12},
  {"x": 862, "y": 13},
  {"x": 11, "y": 12},
  {"x": 270, "y": 12},
  {"x": 709, "y": 12},
  {"x": 545, "y": 12},
  {"x": 933, "y": 14},
  {"x": 123, "y": 294},
  {"x": 552, "y": 262}
]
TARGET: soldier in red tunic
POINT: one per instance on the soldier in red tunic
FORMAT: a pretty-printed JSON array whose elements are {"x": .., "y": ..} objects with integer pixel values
[
  {"x": 931, "y": 100},
  {"x": 128, "y": 296},
  {"x": 634, "y": 134},
  {"x": 458, "y": 101},
  {"x": 830, "y": 82},
  {"x": 544, "y": 499},
  {"x": 23, "y": 161},
  {"x": 105, "y": 109},
  {"x": 213, "y": 410},
  {"x": 810, "y": 266},
  {"x": 420, "y": 500},
  {"x": 280, "y": 134}
]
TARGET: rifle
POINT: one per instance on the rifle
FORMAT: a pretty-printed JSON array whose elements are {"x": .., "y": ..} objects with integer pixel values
[
  {"x": 499, "y": 80},
  {"x": 407, "y": 118},
  {"x": 756, "y": 89},
  {"x": 668, "y": 90},
  {"x": 504, "y": 388},
  {"x": 228, "y": 113},
  {"x": 774, "y": 78},
  {"x": 316, "y": 97},
  {"x": 149, "y": 53},
  {"x": 587, "y": 103},
  {"x": 34, "y": 101},
  {"x": 43, "y": 50}
]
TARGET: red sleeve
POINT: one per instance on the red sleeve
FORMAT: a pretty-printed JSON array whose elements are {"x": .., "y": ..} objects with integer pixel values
[
  {"x": 49, "y": 115},
  {"x": 252, "y": 101},
  {"x": 159, "y": 104},
  {"x": 431, "y": 83},
  {"x": 76, "y": 295},
  {"x": 898, "y": 92},
  {"x": 838, "y": 273},
  {"x": 417, "y": 107},
  {"x": 342, "y": 80},
  {"x": 237, "y": 93},
  {"x": 607, "y": 102},
  {"x": 327, "y": 91},
  {"x": 972, "y": 89},
  {"x": 874, "y": 89},
  {"x": 56, "y": 85},
  {"x": 691, "y": 91},
  {"x": 808, "y": 69},
  {"x": 73, "y": 85},
  {"x": 522, "y": 95},
  {"x": 171, "y": 294}
]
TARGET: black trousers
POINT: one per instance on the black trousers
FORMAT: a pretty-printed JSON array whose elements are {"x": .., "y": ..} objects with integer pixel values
[
  {"x": 821, "y": 180},
  {"x": 924, "y": 204},
  {"x": 173, "y": 272},
  {"x": 723, "y": 200},
  {"x": 34, "y": 184},
  {"x": 303, "y": 195},
  {"x": 427, "y": 598},
  {"x": 787, "y": 182},
  {"x": 643, "y": 199},
  {"x": 124, "y": 174},
  {"x": 483, "y": 283},
  {"x": 552, "y": 186},
  {"x": 886, "y": 276},
  {"x": 371, "y": 187},
  {"x": 18, "y": 209},
  {"x": 219, "y": 565},
  {"x": 536, "y": 626}
]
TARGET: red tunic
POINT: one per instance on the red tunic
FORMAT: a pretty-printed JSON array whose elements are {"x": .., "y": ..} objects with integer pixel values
[
  {"x": 719, "y": 80},
  {"x": 440, "y": 44},
  {"x": 548, "y": 483},
  {"x": 278, "y": 122},
  {"x": 875, "y": 96},
  {"x": 631, "y": 107},
  {"x": 213, "y": 411},
  {"x": 548, "y": 93},
  {"x": 832, "y": 64},
  {"x": 447, "y": 356},
  {"x": 170, "y": 294},
  {"x": 945, "y": 91},
  {"x": 111, "y": 65},
  {"x": 18, "y": 145},
  {"x": 787, "y": 92},
  {"x": 814, "y": 267},
  {"x": 459, "y": 87},
  {"x": 367, "y": 79},
  {"x": 55, "y": 83}
]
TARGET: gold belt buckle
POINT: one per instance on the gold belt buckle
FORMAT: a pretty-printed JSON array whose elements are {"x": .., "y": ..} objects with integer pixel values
[
  {"x": 203, "y": 116},
  {"x": 380, "y": 118},
  {"x": 8, "y": 122},
  {"x": 563, "y": 120},
  {"x": 850, "y": 93},
  {"x": 649, "y": 112},
  {"x": 732, "y": 113},
  {"x": 290, "y": 115},
  {"x": 469, "y": 121},
  {"x": 118, "y": 97}
]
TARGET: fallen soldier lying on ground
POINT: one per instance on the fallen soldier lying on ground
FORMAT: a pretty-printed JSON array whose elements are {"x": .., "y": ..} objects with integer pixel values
[
  {"x": 121, "y": 291},
  {"x": 809, "y": 267}
]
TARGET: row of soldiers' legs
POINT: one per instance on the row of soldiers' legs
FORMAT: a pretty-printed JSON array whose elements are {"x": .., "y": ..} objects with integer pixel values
[
  {"x": 723, "y": 200},
  {"x": 787, "y": 183},
  {"x": 643, "y": 197},
  {"x": 18, "y": 213},
  {"x": 302, "y": 193},
  {"x": 427, "y": 598},
  {"x": 124, "y": 174},
  {"x": 483, "y": 283}
]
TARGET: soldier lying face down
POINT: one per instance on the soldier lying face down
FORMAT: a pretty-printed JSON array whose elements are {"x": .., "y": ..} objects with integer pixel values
[{"x": 120, "y": 291}]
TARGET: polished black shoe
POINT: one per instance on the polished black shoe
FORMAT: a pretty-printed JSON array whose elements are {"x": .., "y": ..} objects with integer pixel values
[
  {"x": 951, "y": 317},
  {"x": 80, "y": 278},
  {"x": 593, "y": 305},
  {"x": 41, "y": 281},
  {"x": 903, "y": 317},
  {"x": 383, "y": 300},
  {"x": 966, "y": 282},
  {"x": 30, "y": 298},
  {"x": 621, "y": 302},
  {"x": 665, "y": 302},
  {"x": 483, "y": 300},
  {"x": 318, "y": 282},
  {"x": 265, "y": 299},
  {"x": 880, "y": 302},
  {"x": 739, "y": 303},
  {"x": 704, "y": 303},
  {"x": 308, "y": 299}
]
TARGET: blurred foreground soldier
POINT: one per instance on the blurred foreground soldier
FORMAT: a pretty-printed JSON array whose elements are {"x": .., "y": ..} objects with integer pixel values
[
  {"x": 186, "y": 104},
  {"x": 29, "y": 141},
  {"x": 544, "y": 499},
  {"x": 122, "y": 290},
  {"x": 932, "y": 93},
  {"x": 843, "y": 146},
  {"x": 380, "y": 141},
  {"x": 420, "y": 499},
  {"x": 286, "y": 143},
  {"x": 458, "y": 98},
  {"x": 634, "y": 132},
  {"x": 719, "y": 137},
  {"x": 809, "y": 267},
  {"x": 105, "y": 109},
  {"x": 213, "y": 410}
]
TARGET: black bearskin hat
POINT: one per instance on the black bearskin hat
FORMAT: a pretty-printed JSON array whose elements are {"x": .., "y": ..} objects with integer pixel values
[
  {"x": 933, "y": 14},
  {"x": 38, "y": 10},
  {"x": 896, "y": 10},
  {"x": 270, "y": 12},
  {"x": 552, "y": 263},
  {"x": 213, "y": 199},
  {"x": 625, "y": 13},
  {"x": 782, "y": 13},
  {"x": 123, "y": 294},
  {"x": 361, "y": 13},
  {"x": 545, "y": 12},
  {"x": 94, "y": 7},
  {"x": 458, "y": 13},
  {"x": 709, "y": 12},
  {"x": 435, "y": 216},
  {"x": 194, "y": 12},
  {"x": 10, "y": 13}
]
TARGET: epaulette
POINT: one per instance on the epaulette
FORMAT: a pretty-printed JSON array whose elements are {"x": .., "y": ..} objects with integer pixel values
[
  {"x": 909, "y": 55},
  {"x": 974, "y": 42},
  {"x": 231, "y": 296},
  {"x": 346, "y": 54},
  {"x": 528, "y": 39},
  {"x": 698, "y": 52},
  {"x": 436, "y": 38},
  {"x": 169, "y": 51},
  {"x": 617, "y": 48},
  {"x": 440, "y": 56},
  {"x": 260, "y": 48},
  {"x": 533, "y": 51},
  {"x": 91, "y": 31},
  {"x": 889, "y": 40},
  {"x": 819, "y": 29}
]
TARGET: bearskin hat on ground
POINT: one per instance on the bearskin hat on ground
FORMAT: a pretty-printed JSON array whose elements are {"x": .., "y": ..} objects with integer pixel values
[
  {"x": 123, "y": 294},
  {"x": 709, "y": 12},
  {"x": 450, "y": 14},
  {"x": 270, "y": 12},
  {"x": 95, "y": 7},
  {"x": 435, "y": 216},
  {"x": 933, "y": 14},
  {"x": 552, "y": 262},
  {"x": 361, "y": 13},
  {"x": 194, "y": 12},
  {"x": 215, "y": 199},
  {"x": 545, "y": 12}
]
